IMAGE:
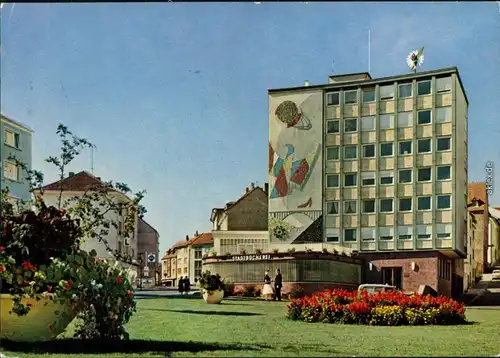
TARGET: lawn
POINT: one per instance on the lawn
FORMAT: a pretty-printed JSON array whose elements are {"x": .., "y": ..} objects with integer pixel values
[{"x": 189, "y": 327}]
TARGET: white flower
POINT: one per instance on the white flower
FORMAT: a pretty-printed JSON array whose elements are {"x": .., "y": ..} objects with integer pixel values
[
  {"x": 92, "y": 282},
  {"x": 98, "y": 286},
  {"x": 74, "y": 297}
]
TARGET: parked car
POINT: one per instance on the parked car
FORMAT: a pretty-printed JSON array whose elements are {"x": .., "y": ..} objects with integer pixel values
[
  {"x": 373, "y": 288},
  {"x": 495, "y": 275}
]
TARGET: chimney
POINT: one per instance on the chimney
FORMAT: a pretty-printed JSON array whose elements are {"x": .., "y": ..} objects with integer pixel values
[
  {"x": 252, "y": 186},
  {"x": 247, "y": 190},
  {"x": 187, "y": 237},
  {"x": 70, "y": 174},
  {"x": 306, "y": 83},
  {"x": 196, "y": 233},
  {"x": 98, "y": 178},
  {"x": 266, "y": 188}
]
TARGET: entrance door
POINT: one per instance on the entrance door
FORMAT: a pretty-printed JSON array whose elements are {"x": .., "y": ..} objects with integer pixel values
[{"x": 392, "y": 276}]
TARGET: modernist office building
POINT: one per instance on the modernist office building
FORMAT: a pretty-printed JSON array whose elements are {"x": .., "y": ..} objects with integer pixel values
[{"x": 378, "y": 166}]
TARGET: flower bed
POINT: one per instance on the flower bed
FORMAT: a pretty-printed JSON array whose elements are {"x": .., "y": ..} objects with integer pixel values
[{"x": 391, "y": 308}]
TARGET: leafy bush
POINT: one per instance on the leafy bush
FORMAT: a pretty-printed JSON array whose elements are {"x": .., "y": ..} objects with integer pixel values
[
  {"x": 325, "y": 250},
  {"x": 228, "y": 289},
  {"x": 250, "y": 291},
  {"x": 210, "y": 282},
  {"x": 297, "y": 292},
  {"x": 390, "y": 308},
  {"x": 291, "y": 250},
  {"x": 258, "y": 251},
  {"x": 275, "y": 251}
]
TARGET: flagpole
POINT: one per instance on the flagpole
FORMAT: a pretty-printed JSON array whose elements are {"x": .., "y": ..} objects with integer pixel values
[{"x": 369, "y": 52}]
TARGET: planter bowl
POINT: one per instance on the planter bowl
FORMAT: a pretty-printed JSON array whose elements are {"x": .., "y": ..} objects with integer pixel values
[
  {"x": 35, "y": 325},
  {"x": 214, "y": 297}
]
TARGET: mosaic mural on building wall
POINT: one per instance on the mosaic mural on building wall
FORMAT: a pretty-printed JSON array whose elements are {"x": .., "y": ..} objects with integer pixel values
[{"x": 295, "y": 164}]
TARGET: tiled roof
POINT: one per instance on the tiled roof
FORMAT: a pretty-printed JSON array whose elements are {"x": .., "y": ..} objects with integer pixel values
[
  {"x": 205, "y": 238},
  {"x": 477, "y": 192},
  {"x": 77, "y": 182}
]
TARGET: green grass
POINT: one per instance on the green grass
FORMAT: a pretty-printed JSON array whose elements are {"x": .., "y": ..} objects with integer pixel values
[{"x": 189, "y": 327}]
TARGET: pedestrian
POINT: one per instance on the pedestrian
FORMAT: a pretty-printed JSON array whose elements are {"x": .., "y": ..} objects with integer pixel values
[
  {"x": 181, "y": 285},
  {"x": 267, "y": 290},
  {"x": 187, "y": 284},
  {"x": 278, "y": 283}
]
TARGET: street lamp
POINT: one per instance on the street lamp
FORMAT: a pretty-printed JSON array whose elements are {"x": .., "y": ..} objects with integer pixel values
[{"x": 141, "y": 268}]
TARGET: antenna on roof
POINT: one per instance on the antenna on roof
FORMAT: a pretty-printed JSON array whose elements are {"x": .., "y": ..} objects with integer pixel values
[{"x": 333, "y": 67}]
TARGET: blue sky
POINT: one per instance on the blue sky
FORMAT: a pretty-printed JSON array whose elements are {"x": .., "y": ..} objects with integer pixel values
[{"x": 124, "y": 76}]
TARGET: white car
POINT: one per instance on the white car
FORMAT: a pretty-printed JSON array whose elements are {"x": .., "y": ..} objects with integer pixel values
[{"x": 495, "y": 275}]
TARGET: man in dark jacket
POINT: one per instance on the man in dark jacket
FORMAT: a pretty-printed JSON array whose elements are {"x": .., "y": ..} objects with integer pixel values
[
  {"x": 181, "y": 285},
  {"x": 278, "y": 283},
  {"x": 187, "y": 284}
]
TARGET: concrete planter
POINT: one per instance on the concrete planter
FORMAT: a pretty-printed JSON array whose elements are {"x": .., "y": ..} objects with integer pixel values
[
  {"x": 45, "y": 321},
  {"x": 213, "y": 297}
]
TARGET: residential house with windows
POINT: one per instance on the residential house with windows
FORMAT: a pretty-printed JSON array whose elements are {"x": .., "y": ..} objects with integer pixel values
[
  {"x": 242, "y": 225},
  {"x": 184, "y": 259},
  {"x": 494, "y": 237},
  {"x": 469, "y": 262},
  {"x": 479, "y": 208},
  {"x": 148, "y": 243},
  {"x": 377, "y": 166},
  {"x": 200, "y": 246},
  {"x": 15, "y": 139},
  {"x": 76, "y": 184},
  {"x": 169, "y": 268}
]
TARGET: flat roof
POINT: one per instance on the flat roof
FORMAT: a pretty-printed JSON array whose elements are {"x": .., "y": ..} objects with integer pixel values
[
  {"x": 375, "y": 81},
  {"x": 16, "y": 123}
]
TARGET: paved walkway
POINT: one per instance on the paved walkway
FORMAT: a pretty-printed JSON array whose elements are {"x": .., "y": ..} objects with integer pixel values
[{"x": 486, "y": 293}]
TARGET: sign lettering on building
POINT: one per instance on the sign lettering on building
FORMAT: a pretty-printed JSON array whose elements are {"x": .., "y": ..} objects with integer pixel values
[{"x": 251, "y": 257}]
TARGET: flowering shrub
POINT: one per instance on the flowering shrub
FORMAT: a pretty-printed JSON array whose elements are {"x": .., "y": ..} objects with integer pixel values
[
  {"x": 390, "y": 308},
  {"x": 40, "y": 255},
  {"x": 210, "y": 282}
]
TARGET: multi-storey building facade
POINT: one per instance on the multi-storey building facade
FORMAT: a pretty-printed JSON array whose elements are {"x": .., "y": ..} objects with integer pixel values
[
  {"x": 241, "y": 226},
  {"x": 478, "y": 206},
  {"x": 15, "y": 141},
  {"x": 148, "y": 243},
  {"x": 377, "y": 166}
]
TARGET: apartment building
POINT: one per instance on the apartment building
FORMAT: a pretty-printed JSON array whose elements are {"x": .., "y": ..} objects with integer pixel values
[
  {"x": 377, "y": 166},
  {"x": 76, "y": 184},
  {"x": 479, "y": 208},
  {"x": 242, "y": 225},
  {"x": 200, "y": 246},
  {"x": 15, "y": 140},
  {"x": 185, "y": 257}
]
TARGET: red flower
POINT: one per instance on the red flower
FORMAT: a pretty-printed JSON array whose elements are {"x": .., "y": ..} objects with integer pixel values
[
  {"x": 2, "y": 268},
  {"x": 2, "y": 248},
  {"x": 63, "y": 212},
  {"x": 51, "y": 326},
  {"x": 49, "y": 288},
  {"x": 28, "y": 266},
  {"x": 129, "y": 293},
  {"x": 118, "y": 280},
  {"x": 68, "y": 285}
]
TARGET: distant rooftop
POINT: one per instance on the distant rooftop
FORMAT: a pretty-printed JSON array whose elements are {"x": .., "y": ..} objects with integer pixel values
[{"x": 16, "y": 123}]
